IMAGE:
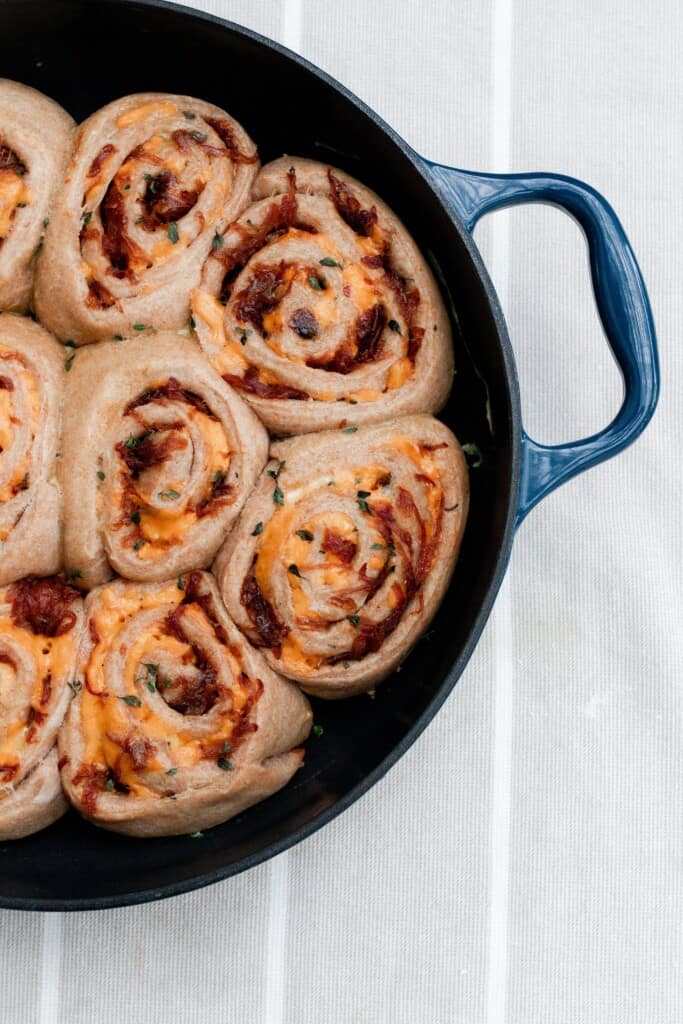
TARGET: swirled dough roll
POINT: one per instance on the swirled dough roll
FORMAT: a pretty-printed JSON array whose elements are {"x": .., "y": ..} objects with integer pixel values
[
  {"x": 35, "y": 141},
  {"x": 152, "y": 179},
  {"x": 159, "y": 455},
  {"x": 318, "y": 306},
  {"x": 31, "y": 394},
  {"x": 40, "y": 627},
  {"x": 343, "y": 553},
  {"x": 179, "y": 723}
]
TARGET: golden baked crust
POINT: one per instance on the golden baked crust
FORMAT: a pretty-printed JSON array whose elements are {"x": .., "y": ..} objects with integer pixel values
[
  {"x": 40, "y": 626},
  {"x": 319, "y": 307},
  {"x": 35, "y": 141},
  {"x": 343, "y": 552},
  {"x": 159, "y": 455},
  {"x": 152, "y": 178},
  {"x": 31, "y": 393},
  {"x": 179, "y": 723}
]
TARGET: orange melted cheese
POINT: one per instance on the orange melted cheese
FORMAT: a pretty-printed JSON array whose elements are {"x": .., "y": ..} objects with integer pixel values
[
  {"x": 8, "y": 420},
  {"x": 164, "y": 526},
  {"x": 49, "y": 655},
  {"x": 226, "y": 354},
  {"x": 13, "y": 192},
  {"x": 130, "y": 117}
]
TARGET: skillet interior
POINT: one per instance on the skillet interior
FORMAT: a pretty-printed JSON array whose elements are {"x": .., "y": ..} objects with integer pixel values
[{"x": 286, "y": 106}]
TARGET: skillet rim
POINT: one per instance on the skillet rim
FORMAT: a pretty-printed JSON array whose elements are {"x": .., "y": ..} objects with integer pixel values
[{"x": 514, "y": 426}]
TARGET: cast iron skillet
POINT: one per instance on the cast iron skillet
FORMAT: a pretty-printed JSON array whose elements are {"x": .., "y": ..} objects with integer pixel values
[{"x": 87, "y": 52}]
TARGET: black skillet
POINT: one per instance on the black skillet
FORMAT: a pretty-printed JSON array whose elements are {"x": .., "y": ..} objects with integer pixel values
[{"x": 87, "y": 52}]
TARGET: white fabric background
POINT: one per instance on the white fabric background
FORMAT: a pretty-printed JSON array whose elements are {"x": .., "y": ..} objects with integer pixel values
[{"x": 522, "y": 864}]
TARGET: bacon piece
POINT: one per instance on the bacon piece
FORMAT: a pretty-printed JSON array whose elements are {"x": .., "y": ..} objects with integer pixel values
[
  {"x": 6, "y": 384},
  {"x": 264, "y": 292},
  {"x": 149, "y": 452},
  {"x": 226, "y": 134},
  {"x": 42, "y": 605},
  {"x": 114, "y": 240},
  {"x": 165, "y": 200},
  {"x": 138, "y": 748},
  {"x": 9, "y": 161},
  {"x": 304, "y": 323},
  {"x": 99, "y": 297},
  {"x": 46, "y": 690},
  {"x": 8, "y": 772},
  {"x": 253, "y": 385},
  {"x": 335, "y": 544},
  {"x": 270, "y": 629},
  {"x": 100, "y": 159},
  {"x": 172, "y": 391},
  {"x": 281, "y": 216},
  {"x": 349, "y": 209}
]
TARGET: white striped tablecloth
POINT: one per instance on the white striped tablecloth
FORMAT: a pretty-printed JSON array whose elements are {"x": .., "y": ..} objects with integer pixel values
[{"x": 522, "y": 863}]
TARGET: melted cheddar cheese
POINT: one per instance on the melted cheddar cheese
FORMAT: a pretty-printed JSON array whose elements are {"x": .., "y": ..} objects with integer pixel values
[
  {"x": 130, "y": 117},
  {"x": 14, "y": 192}
]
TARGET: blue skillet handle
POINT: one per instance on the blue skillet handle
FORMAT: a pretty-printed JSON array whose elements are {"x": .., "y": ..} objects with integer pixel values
[{"x": 622, "y": 303}]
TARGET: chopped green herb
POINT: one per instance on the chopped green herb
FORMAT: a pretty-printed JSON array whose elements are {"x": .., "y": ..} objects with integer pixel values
[
  {"x": 346, "y": 664},
  {"x": 167, "y": 683},
  {"x": 327, "y": 261},
  {"x": 173, "y": 232},
  {"x": 118, "y": 337},
  {"x": 257, "y": 530},
  {"x": 132, "y": 702},
  {"x": 217, "y": 242},
  {"x": 377, "y": 547},
  {"x": 193, "y": 323},
  {"x": 394, "y": 326},
  {"x": 71, "y": 355},
  {"x": 100, "y": 474},
  {"x": 46, "y": 222},
  {"x": 218, "y": 476},
  {"x": 189, "y": 115},
  {"x": 139, "y": 220},
  {"x": 317, "y": 284},
  {"x": 294, "y": 569},
  {"x": 305, "y": 535},
  {"x": 318, "y": 730},
  {"x": 87, "y": 217},
  {"x": 474, "y": 456},
  {"x": 363, "y": 505},
  {"x": 227, "y": 747},
  {"x": 179, "y": 583},
  {"x": 109, "y": 784},
  {"x": 138, "y": 544},
  {"x": 243, "y": 333},
  {"x": 199, "y": 136},
  {"x": 354, "y": 620},
  {"x": 196, "y": 835},
  {"x": 172, "y": 771},
  {"x": 227, "y": 766},
  {"x": 75, "y": 686},
  {"x": 349, "y": 430},
  {"x": 278, "y": 496},
  {"x": 133, "y": 442},
  {"x": 139, "y": 327},
  {"x": 170, "y": 494}
]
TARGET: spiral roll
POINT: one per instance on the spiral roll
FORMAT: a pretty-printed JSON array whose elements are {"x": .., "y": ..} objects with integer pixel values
[
  {"x": 159, "y": 455},
  {"x": 35, "y": 141},
  {"x": 152, "y": 181},
  {"x": 319, "y": 308},
  {"x": 179, "y": 724},
  {"x": 342, "y": 554},
  {"x": 40, "y": 627},
  {"x": 31, "y": 393}
]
